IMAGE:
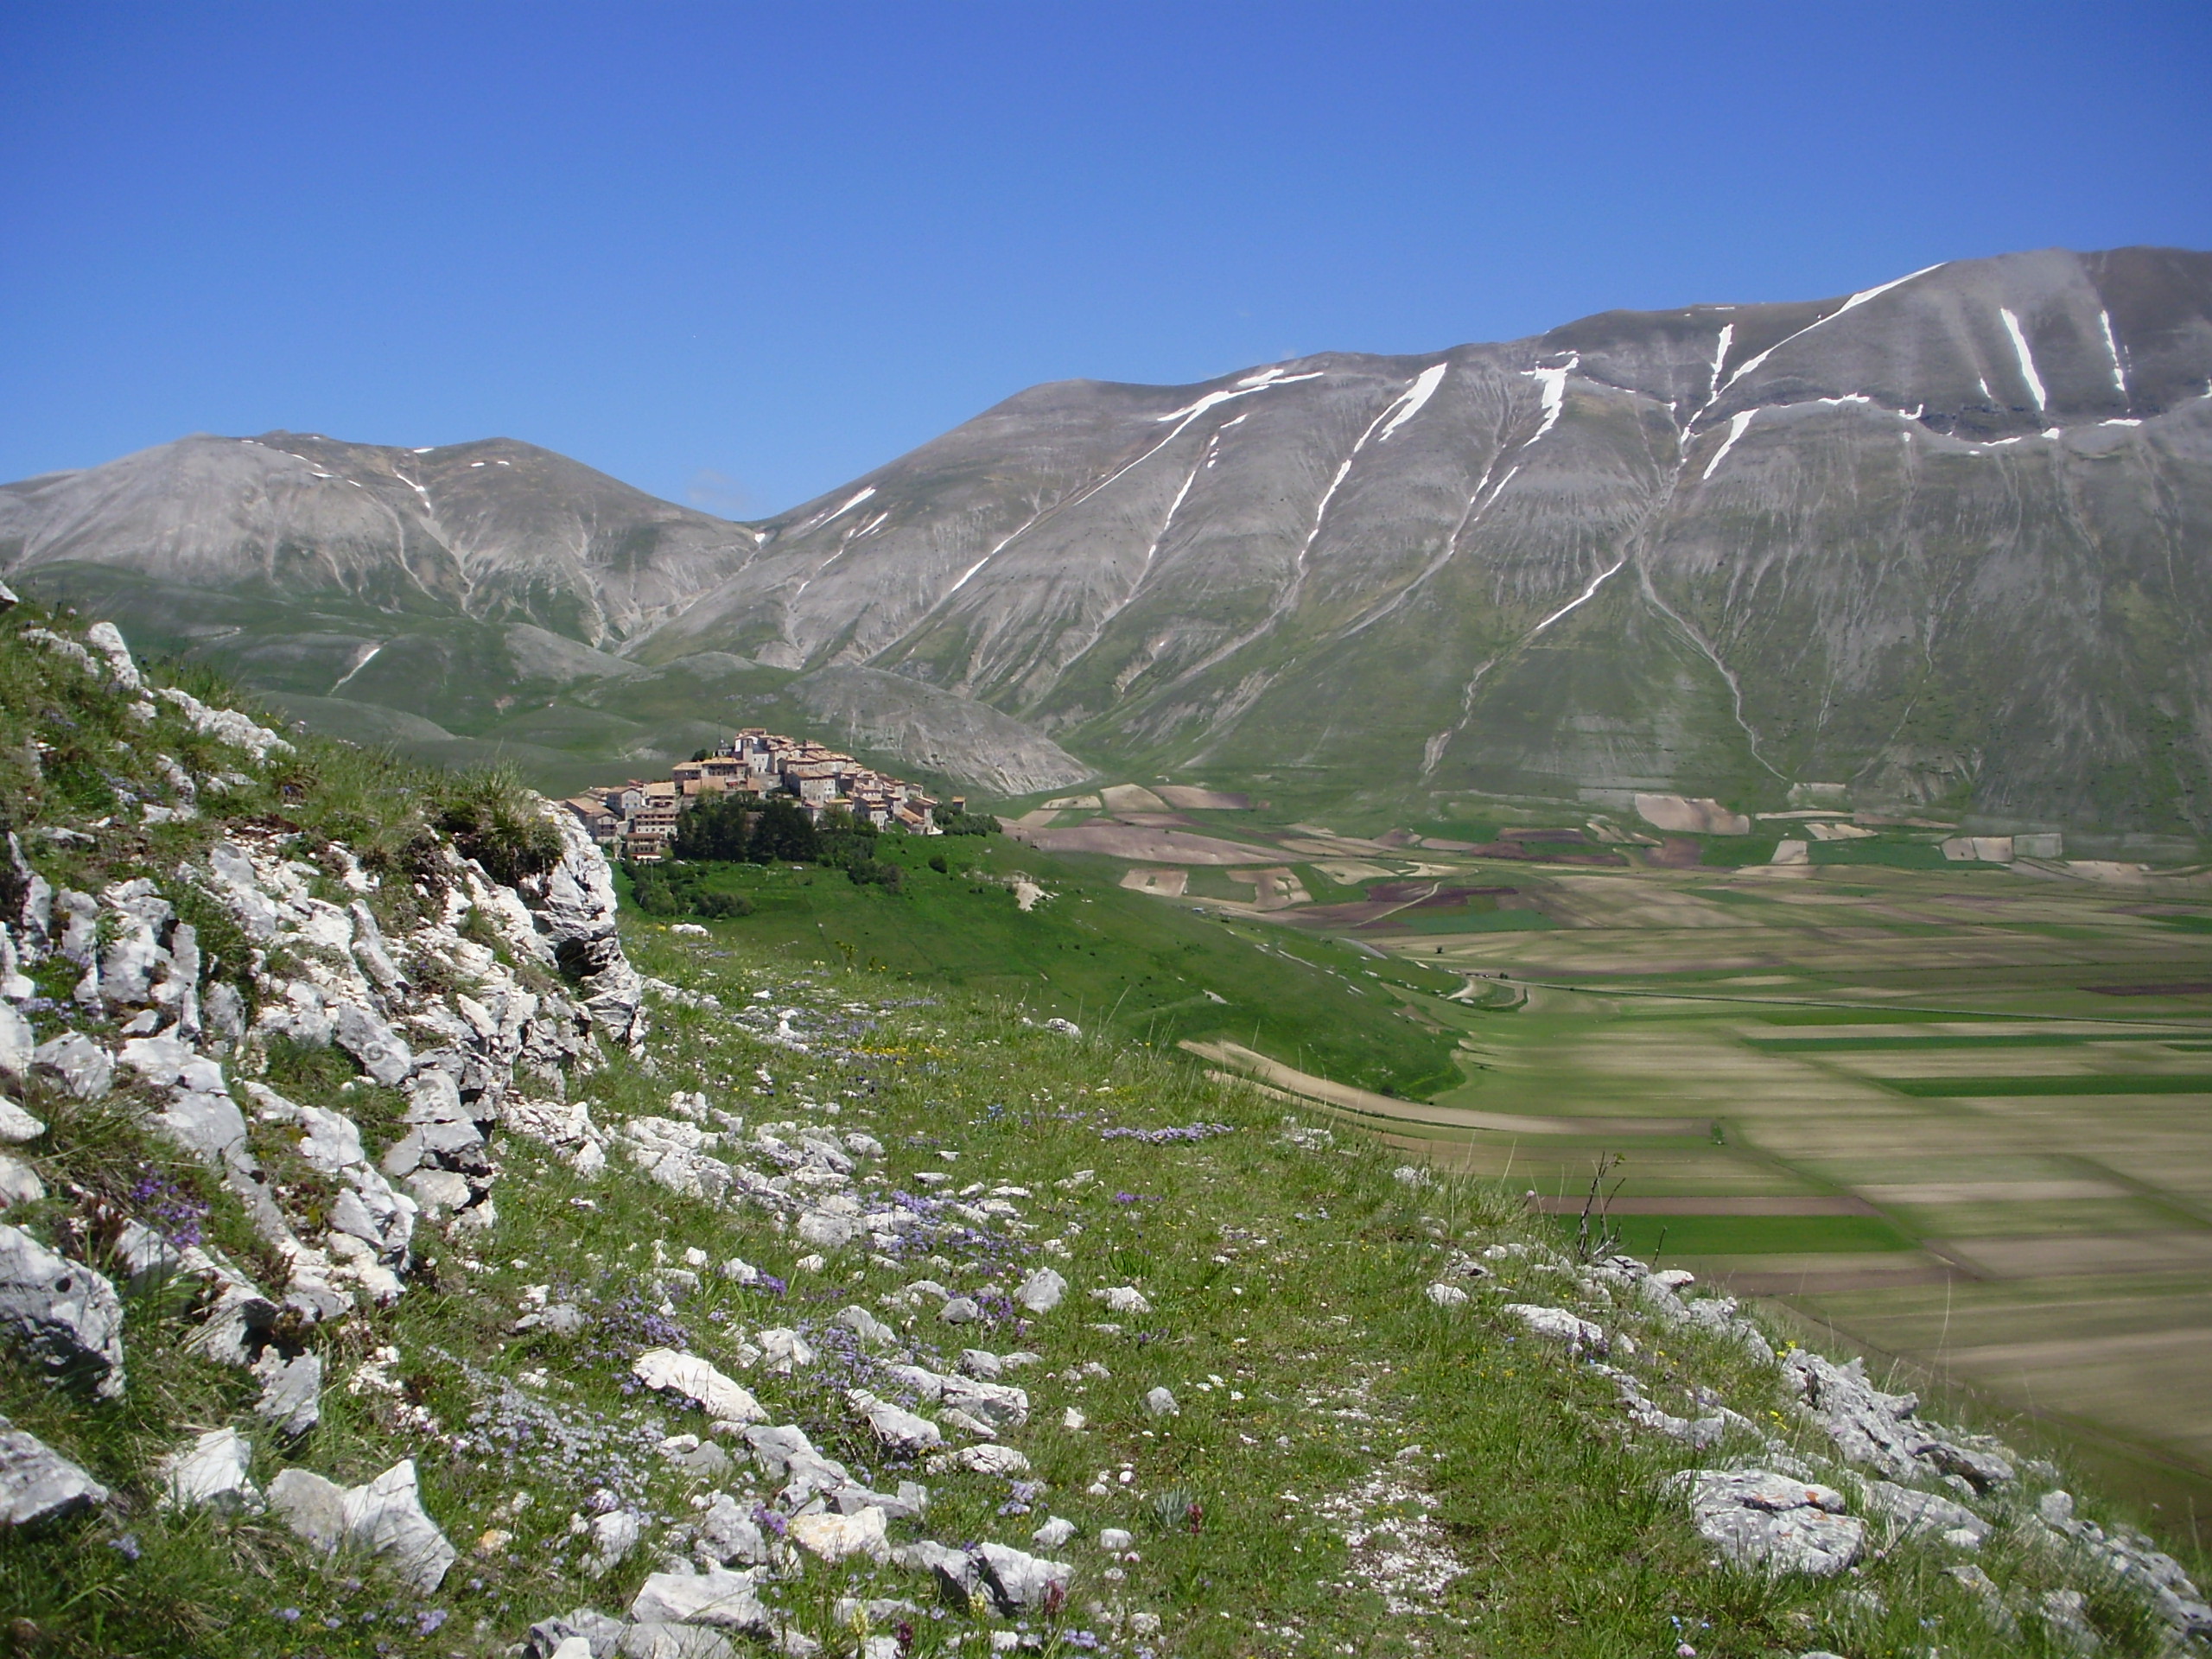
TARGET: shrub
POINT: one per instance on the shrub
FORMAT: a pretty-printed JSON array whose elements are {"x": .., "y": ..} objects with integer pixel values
[
  {"x": 722, "y": 907},
  {"x": 496, "y": 819}
]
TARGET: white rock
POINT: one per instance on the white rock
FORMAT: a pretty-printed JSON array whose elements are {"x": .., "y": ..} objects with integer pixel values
[
  {"x": 687, "y": 1374},
  {"x": 899, "y": 1430},
  {"x": 836, "y": 1537},
  {"x": 16, "y": 1047},
  {"x": 211, "y": 1472},
  {"x": 1759, "y": 1518},
  {"x": 1018, "y": 1581},
  {"x": 68, "y": 1316},
  {"x": 1557, "y": 1324},
  {"x": 16, "y": 1125},
  {"x": 992, "y": 1459},
  {"x": 872, "y": 1331},
  {"x": 998, "y": 1404},
  {"x": 825, "y": 1230},
  {"x": 386, "y": 1517},
  {"x": 77, "y": 1063},
  {"x": 1053, "y": 1534},
  {"x": 1161, "y": 1403},
  {"x": 19, "y": 1183},
  {"x": 1122, "y": 1298},
  {"x": 37, "y": 1483},
  {"x": 613, "y": 1535},
  {"x": 291, "y": 1391},
  {"x": 1446, "y": 1295},
  {"x": 1115, "y": 1540},
  {"x": 717, "y": 1596},
  {"x": 960, "y": 1310},
  {"x": 1041, "y": 1293},
  {"x": 383, "y": 1517}
]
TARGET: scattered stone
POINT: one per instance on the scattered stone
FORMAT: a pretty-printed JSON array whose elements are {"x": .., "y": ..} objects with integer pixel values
[
  {"x": 1161, "y": 1403},
  {"x": 717, "y": 1597},
  {"x": 686, "y": 1374},
  {"x": 1556, "y": 1324},
  {"x": 897, "y": 1429},
  {"x": 16, "y": 1125},
  {"x": 19, "y": 1183},
  {"x": 826, "y": 1231},
  {"x": 1018, "y": 1581},
  {"x": 655, "y": 1640},
  {"x": 599, "y": 1633},
  {"x": 384, "y": 1517},
  {"x": 212, "y": 1473},
  {"x": 1003, "y": 1461},
  {"x": 1115, "y": 1540},
  {"x": 999, "y": 1405},
  {"x": 1446, "y": 1295},
  {"x": 1927, "y": 1512},
  {"x": 1122, "y": 1298},
  {"x": 1760, "y": 1518},
  {"x": 1041, "y": 1293},
  {"x": 67, "y": 1315},
  {"x": 77, "y": 1063},
  {"x": 727, "y": 1533},
  {"x": 872, "y": 1331},
  {"x": 960, "y": 1310},
  {"x": 783, "y": 1350},
  {"x": 836, "y": 1537},
  {"x": 1054, "y": 1533},
  {"x": 37, "y": 1483},
  {"x": 613, "y": 1535}
]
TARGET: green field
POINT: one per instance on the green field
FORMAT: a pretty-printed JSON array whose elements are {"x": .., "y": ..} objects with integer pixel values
[
  {"x": 1941, "y": 1044},
  {"x": 1094, "y": 953}
]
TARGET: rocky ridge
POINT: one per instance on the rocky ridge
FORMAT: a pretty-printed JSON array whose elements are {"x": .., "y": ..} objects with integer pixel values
[
  {"x": 1938, "y": 542},
  {"x": 873, "y": 1463}
]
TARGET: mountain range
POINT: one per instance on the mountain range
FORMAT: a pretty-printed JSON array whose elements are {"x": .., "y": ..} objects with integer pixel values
[{"x": 1945, "y": 542}]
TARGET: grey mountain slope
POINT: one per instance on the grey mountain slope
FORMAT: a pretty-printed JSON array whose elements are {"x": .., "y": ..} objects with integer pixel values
[
  {"x": 1944, "y": 541},
  {"x": 496, "y": 530}
]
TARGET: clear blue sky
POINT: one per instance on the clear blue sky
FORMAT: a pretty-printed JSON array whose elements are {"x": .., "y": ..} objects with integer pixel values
[{"x": 738, "y": 254}]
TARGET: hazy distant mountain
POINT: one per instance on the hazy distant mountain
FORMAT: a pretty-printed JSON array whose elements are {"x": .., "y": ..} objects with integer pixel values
[{"x": 1949, "y": 540}]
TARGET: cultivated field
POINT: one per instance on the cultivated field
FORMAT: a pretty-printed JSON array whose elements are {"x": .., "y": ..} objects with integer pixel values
[{"x": 1961, "y": 1113}]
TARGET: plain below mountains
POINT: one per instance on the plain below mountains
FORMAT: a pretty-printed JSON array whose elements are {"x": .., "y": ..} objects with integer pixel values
[{"x": 1945, "y": 542}]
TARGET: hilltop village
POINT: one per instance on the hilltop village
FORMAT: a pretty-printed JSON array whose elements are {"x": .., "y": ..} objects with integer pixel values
[{"x": 638, "y": 820}]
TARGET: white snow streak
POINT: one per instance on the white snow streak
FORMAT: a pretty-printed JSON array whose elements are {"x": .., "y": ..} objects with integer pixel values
[
  {"x": 1553, "y": 382},
  {"x": 1737, "y": 423},
  {"x": 2027, "y": 360},
  {"x": 1244, "y": 388},
  {"x": 1719, "y": 357},
  {"x": 2119, "y": 374},
  {"x": 1852, "y": 303},
  {"x": 1596, "y": 582},
  {"x": 1423, "y": 388},
  {"x": 847, "y": 508},
  {"x": 2120, "y": 423},
  {"x": 357, "y": 667}
]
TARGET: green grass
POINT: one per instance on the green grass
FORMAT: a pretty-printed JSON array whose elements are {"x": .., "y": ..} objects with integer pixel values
[
  {"x": 2107, "y": 1083},
  {"x": 1752, "y": 1235},
  {"x": 1947, "y": 1039},
  {"x": 1287, "y": 1314},
  {"x": 1094, "y": 952},
  {"x": 1891, "y": 855}
]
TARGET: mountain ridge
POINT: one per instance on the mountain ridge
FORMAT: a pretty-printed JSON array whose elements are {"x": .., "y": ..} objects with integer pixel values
[{"x": 1938, "y": 540}]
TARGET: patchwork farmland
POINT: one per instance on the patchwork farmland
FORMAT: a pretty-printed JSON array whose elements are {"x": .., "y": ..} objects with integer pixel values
[{"x": 1960, "y": 1112}]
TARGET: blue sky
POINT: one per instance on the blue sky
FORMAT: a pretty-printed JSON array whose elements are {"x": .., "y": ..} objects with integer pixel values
[{"x": 736, "y": 255}]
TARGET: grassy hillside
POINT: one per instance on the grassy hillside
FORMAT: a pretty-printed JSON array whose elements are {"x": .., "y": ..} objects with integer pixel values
[
  {"x": 1088, "y": 950},
  {"x": 1253, "y": 1426}
]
